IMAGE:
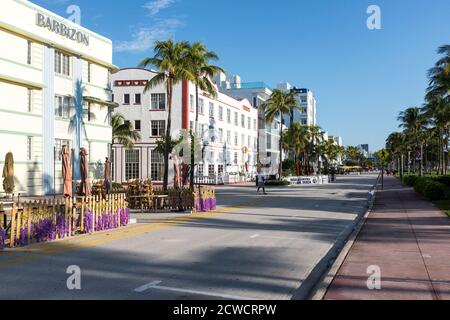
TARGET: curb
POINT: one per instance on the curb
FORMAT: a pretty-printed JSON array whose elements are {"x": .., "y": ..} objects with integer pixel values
[{"x": 334, "y": 259}]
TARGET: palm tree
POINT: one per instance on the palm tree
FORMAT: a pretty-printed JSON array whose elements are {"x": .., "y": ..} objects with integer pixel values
[
  {"x": 316, "y": 135},
  {"x": 279, "y": 104},
  {"x": 439, "y": 76},
  {"x": 414, "y": 122},
  {"x": 171, "y": 59},
  {"x": 123, "y": 131},
  {"x": 199, "y": 62},
  {"x": 296, "y": 139}
]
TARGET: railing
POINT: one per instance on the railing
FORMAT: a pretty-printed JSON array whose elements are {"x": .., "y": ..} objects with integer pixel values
[
  {"x": 48, "y": 220},
  {"x": 209, "y": 180}
]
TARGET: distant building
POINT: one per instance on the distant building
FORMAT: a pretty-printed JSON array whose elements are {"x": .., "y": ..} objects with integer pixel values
[
  {"x": 364, "y": 148},
  {"x": 307, "y": 115},
  {"x": 228, "y": 128},
  {"x": 269, "y": 133}
]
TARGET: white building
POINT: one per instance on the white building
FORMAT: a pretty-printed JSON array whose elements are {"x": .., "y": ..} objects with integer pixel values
[
  {"x": 269, "y": 133},
  {"x": 307, "y": 115},
  {"x": 52, "y": 72},
  {"x": 229, "y": 129}
]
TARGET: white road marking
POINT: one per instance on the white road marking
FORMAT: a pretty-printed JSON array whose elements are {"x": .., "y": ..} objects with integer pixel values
[
  {"x": 254, "y": 236},
  {"x": 147, "y": 286},
  {"x": 155, "y": 285}
]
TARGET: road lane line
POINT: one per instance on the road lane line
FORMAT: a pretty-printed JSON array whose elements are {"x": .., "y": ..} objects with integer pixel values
[
  {"x": 44, "y": 250},
  {"x": 254, "y": 236},
  {"x": 155, "y": 285}
]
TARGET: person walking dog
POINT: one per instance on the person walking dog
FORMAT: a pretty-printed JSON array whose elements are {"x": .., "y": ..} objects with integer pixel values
[{"x": 261, "y": 182}]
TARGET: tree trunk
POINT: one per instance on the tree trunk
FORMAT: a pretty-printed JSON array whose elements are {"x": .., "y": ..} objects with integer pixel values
[
  {"x": 168, "y": 134},
  {"x": 280, "y": 169},
  {"x": 192, "y": 176}
]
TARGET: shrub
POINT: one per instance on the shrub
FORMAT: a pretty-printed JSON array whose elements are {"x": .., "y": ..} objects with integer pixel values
[
  {"x": 410, "y": 180},
  {"x": 430, "y": 189},
  {"x": 276, "y": 183},
  {"x": 444, "y": 180}
]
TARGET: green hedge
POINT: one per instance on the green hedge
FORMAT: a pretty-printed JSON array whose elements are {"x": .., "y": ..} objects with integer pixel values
[
  {"x": 430, "y": 188},
  {"x": 410, "y": 180},
  {"x": 443, "y": 179}
]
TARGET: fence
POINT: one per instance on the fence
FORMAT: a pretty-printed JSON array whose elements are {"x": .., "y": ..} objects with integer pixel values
[{"x": 48, "y": 220}]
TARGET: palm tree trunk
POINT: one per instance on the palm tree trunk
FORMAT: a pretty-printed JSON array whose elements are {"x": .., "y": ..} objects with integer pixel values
[
  {"x": 280, "y": 169},
  {"x": 168, "y": 134},
  {"x": 192, "y": 176}
]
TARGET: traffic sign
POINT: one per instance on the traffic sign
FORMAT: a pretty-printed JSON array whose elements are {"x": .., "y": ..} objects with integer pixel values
[{"x": 383, "y": 154}]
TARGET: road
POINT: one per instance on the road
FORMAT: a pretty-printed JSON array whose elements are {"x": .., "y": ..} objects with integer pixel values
[{"x": 254, "y": 247}]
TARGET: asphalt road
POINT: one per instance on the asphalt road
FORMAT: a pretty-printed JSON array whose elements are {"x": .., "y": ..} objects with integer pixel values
[{"x": 258, "y": 247}]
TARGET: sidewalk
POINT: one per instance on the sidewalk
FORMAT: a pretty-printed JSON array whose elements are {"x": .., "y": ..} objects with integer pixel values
[{"x": 409, "y": 239}]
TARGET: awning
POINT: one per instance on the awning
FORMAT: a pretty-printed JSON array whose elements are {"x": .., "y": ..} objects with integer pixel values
[
  {"x": 22, "y": 82},
  {"x": 109, "y": 104}
]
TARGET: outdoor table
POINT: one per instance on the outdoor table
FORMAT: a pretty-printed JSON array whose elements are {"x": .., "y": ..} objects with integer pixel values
[
  {"x": 157, "y": 198},
  {"x": 154, "y": 197}
]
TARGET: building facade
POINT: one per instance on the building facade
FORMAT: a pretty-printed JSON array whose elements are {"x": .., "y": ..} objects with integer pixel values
[
  {"x": 307, "y": 115},
  {"x": 228, "y": 129},
  {"x": 54, "y": 91},
  {"x": 269, "y": 133}
]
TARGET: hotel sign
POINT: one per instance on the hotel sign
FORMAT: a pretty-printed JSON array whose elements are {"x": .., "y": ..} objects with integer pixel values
[{"x": 61, "y": 29}]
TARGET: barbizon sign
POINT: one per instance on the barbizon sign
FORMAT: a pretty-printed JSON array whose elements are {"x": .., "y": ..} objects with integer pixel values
[{"x": 61, "y": 29}]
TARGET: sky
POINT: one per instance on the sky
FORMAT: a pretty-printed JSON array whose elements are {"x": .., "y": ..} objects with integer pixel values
[{"x": 361, "y": 78}]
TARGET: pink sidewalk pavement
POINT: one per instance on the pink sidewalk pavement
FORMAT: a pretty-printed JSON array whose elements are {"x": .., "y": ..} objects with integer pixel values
[{"x": 409, "y": 240}]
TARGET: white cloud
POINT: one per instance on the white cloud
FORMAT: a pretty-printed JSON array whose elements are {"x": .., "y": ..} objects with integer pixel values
[
  {"x": 144, "y": 38},
  {"x": 156, "y": 6}
]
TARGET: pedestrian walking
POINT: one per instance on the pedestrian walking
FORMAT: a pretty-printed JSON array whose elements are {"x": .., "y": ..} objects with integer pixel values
[{"x": 261, "y": 181}]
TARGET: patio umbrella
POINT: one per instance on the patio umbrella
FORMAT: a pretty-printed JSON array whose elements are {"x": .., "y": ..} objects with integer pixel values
[
  {"x": 8, "y": 173},
  {"x": 66, "y": 171},
  {"x": 85, "y": 190},
  {"x": 107, "y": 182}
]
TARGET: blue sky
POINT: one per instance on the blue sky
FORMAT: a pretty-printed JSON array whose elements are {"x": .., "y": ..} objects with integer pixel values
[{"x": 361, "y": 78}]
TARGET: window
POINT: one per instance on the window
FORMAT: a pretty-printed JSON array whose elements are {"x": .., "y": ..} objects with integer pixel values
[
  {"x": 255, "y": 144},
  {"x": 235, "y": 139},
  {"x": 249, "y": 141},
  {"x": 87, "y": 111},
  {"x": 242, "y": 140},
  {"x": 137, "y": 98},
  {"x": 304, "y": 100},
  {"x": 220, "y": 135},
  {"x": 126, "y": 98},
  {"x": 236, "y": 120},
  {"x": 191, "y": 103},
  {"x": 242, "y": 121},
  {"x": 131, "y": 164},
  {"x": 249, "y": 123},
  {"x": 220, "y": 170},
  {"x": 211, "y": 170},
  {"x": 89, "y": 72},
  {"x": 158, "y": 101},
  {"x": 29, "y": 148},
  {"x": 228, "y": 116},
  {"x": 158, "y": 128},
  {"x": 29, "y": 52},
  {"x": 269, "y": 141},
  {"x": 59, "y": 143},
  {"x": 112, "y": 97},
  {"x": 254, "y": 124},
  {"x": 30, "y": 100},
  {"x": 200, "y": 170},
  {"x": 137, "y": 125},
  {"x": 62, "y": 107},
  {"x": 211, "y": 110},
  {"x": 235, "y": 158},
  {"x": 62, "y": 63},
  {"x": 220, "y": 113},
  {"x": 229, "y": 137},
  {"x": 201, "y": 105},
  {"x": 157, "y": 166}
]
